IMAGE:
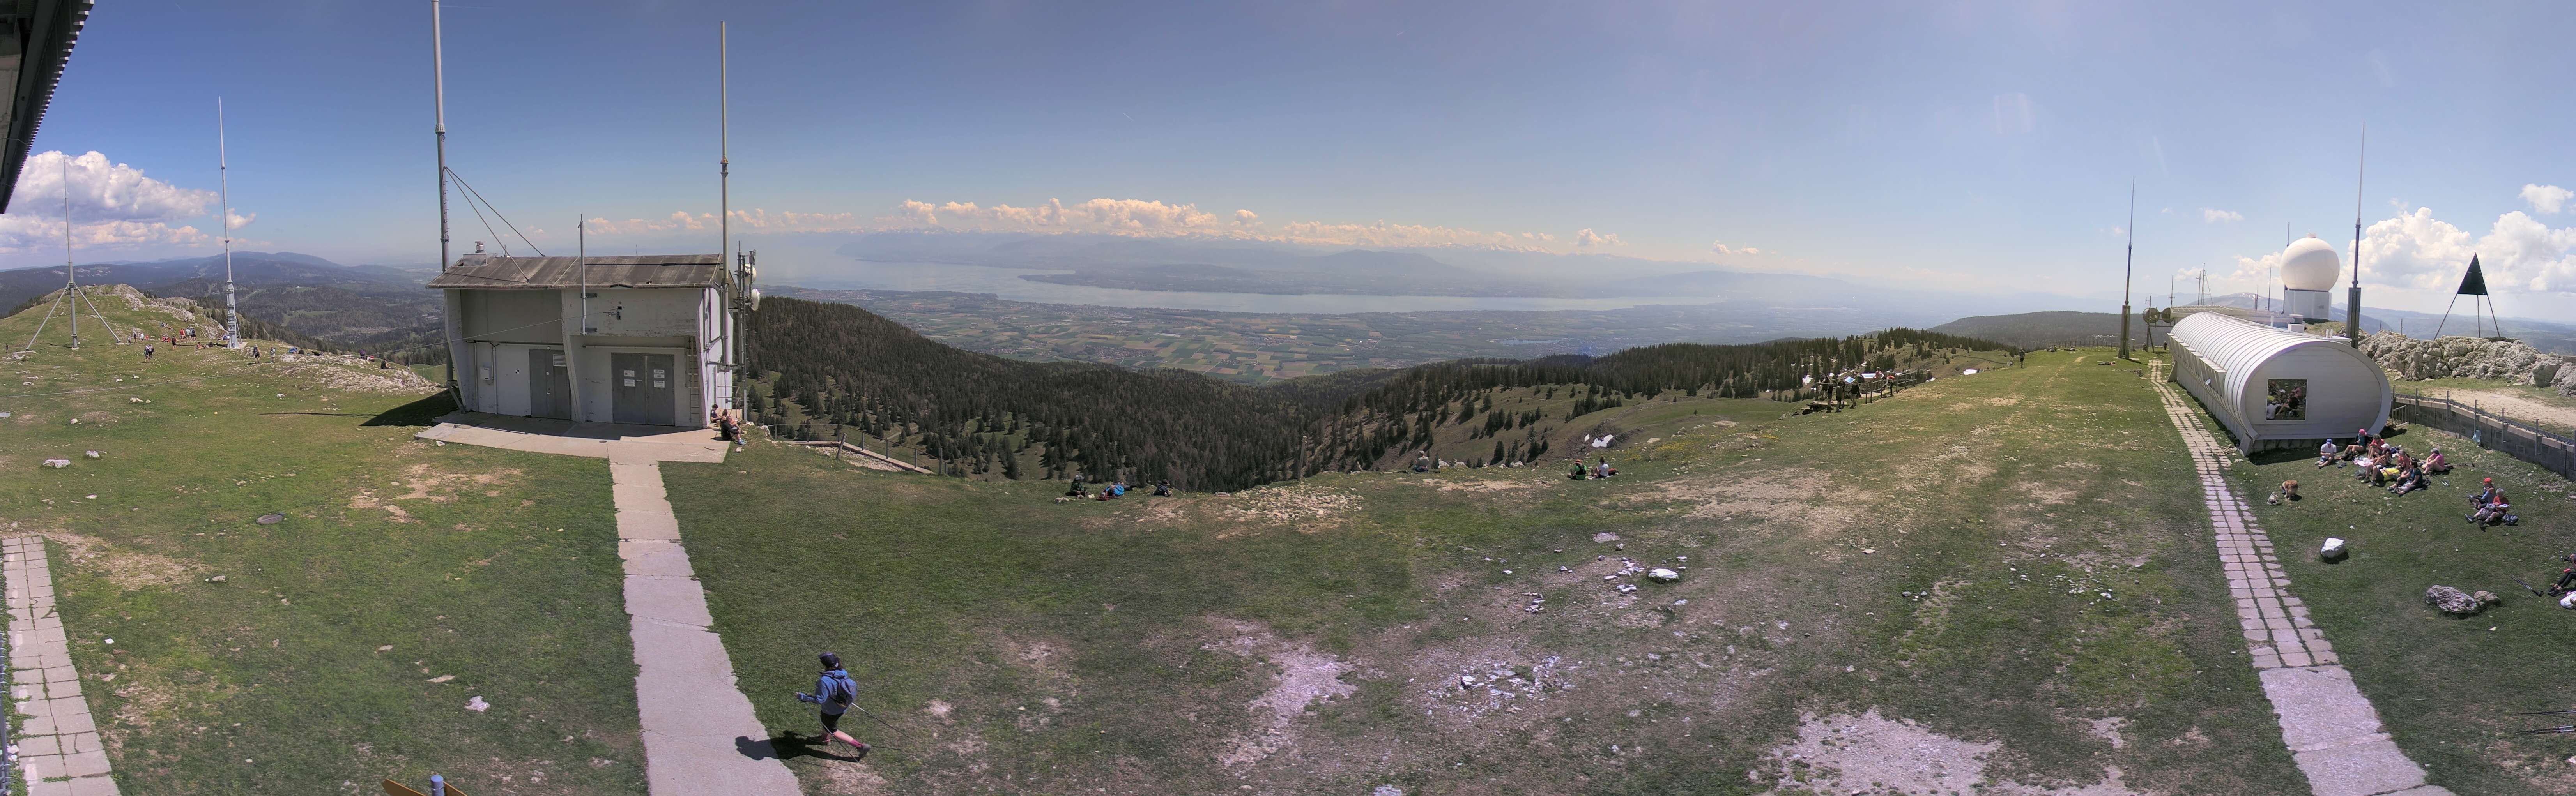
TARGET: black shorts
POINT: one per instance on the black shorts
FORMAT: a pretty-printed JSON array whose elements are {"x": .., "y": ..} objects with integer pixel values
[{"x": 831, "y": 723}]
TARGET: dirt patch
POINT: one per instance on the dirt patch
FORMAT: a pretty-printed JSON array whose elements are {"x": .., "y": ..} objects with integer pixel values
[
  {"x": 420, "y": 482},
  {"x": 1305, "y": 677},
  {"x": 126, "y": 568},
  {"x": 1869, "y": 754},
  {"x": 1780, "y": 496},
  {"x": 1296, "y": 503},
  {"x": 1475, "y": 485}
]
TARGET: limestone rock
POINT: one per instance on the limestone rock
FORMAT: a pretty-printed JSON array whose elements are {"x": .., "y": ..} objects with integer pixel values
[
  {"x": 2486, "y": 598},
  {"x": 2333, "y": 550},
  {"x": 2453, "y": 601},
  {"x": 1662, "y": 575},
  {"x": 58, "y": 463},
  {"x": 90, "y": 454}
]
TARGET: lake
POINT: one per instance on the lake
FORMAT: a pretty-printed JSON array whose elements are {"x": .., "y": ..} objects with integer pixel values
[{"x": 1006, "y": 283}]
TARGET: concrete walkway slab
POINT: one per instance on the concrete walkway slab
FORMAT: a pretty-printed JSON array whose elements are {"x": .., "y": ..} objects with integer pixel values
[
  {"x": 2328, "y": 725},
  {"x": 700, "y": 733},
  {"x": 58, "y": 743},
  {"x": 564, "y": 437}
]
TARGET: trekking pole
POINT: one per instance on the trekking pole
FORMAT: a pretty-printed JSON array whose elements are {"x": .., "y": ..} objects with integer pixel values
[
  {"x": 2559, "y": 730},
  {"x": 888, "y": 724},
  {"x": 2547, "y": 713}
]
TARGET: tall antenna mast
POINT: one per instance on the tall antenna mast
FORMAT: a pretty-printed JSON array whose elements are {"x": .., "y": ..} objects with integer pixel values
[
  {"x": 223, "y": 185},
  {"x": 438, "y": 83},
  {"x": 724, "y": 216},
  {"x": 2352, "y": 303},
  {"x": 71, "y": 274},
  {"x": 2128, "y": 267}
]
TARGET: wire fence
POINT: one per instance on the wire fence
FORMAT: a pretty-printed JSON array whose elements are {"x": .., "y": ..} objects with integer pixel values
[{"x": 2552, "y": 451}]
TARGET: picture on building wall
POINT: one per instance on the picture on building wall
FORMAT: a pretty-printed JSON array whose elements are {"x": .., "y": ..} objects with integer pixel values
[{"x": 2286, "y": 399}]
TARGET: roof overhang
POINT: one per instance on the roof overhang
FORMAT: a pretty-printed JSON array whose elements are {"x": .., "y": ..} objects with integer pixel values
[{"x": 36, "y": 38}]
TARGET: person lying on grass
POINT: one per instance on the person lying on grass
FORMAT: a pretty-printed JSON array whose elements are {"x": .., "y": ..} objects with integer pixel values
[{"x": 836, "y": 692}]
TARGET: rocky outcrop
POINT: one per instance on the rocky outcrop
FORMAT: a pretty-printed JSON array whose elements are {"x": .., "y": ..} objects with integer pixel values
[
  {"x": 2456, "y": 602},
  {"x": 2462, "y": 357}
]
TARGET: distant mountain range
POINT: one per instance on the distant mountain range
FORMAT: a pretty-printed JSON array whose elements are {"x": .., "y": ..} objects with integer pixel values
[{"x": 369, "y": 307}]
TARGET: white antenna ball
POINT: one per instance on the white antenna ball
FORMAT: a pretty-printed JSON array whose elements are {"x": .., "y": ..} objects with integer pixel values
[
  {"x": 2310, "y": 264},
  {"x": 755, "y": 299}
]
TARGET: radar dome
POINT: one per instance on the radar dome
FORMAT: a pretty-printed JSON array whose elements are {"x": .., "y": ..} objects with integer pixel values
[{"x": 2310, "y": 264}]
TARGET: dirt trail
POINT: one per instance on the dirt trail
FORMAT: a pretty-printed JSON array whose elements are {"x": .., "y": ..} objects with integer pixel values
[{"x": 2511, "y": 403}]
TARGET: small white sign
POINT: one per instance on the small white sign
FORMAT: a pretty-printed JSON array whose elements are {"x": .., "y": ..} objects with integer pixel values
[
  {"x": 630, "y": 382},
  {"x": 657, "y": 384}
]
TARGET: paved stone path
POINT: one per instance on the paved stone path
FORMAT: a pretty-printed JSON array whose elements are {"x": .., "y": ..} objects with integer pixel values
[
  {"x": 2331, "y": 729},
  {"x": 58, "y": 747},
  {"x": 700, "y": 736}
]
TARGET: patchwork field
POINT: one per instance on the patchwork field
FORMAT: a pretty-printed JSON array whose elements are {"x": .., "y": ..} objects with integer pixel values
[
  {"x": 1992, "y": 579},
  {"x": 342, "y": 644}
]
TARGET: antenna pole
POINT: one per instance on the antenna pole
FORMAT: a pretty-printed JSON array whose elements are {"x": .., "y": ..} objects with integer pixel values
[
  {"x": 724, "y": 216},
  {"x": 2352, "y": 300},
  {"x": 71, "y": 274},
  {"x": 2128, "y": 267},
  {"x": 438, "y": 84},
  {"x": 223, "y": 184}
]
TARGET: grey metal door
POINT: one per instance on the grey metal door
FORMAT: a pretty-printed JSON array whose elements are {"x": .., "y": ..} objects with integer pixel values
[
  {"x": 644, "y": 387},
  {"x": 549, "y": 384}
]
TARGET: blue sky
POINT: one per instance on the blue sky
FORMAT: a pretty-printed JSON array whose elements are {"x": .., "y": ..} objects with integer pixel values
[{"x": 1960, "y": 144}]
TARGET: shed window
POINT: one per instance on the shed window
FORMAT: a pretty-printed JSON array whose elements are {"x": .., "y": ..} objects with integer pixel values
[{"x": 2286, "y": 399}]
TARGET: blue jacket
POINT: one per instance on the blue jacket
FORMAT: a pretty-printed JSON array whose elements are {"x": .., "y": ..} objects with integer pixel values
[{"x": 823, "y": 690}]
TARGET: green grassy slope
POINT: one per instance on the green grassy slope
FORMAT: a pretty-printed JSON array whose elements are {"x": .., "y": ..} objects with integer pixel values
[
  {"x": 2445, "y": 685},
  {"x": 1939, "y": 557},
  {"x": 495, "y": 567}
]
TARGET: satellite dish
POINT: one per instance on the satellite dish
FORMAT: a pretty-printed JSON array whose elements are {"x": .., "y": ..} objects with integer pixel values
[{"x": 755, "y": 299}]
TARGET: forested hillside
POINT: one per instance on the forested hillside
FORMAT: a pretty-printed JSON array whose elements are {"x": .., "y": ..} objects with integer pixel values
[{"x": 833, "y": 368}]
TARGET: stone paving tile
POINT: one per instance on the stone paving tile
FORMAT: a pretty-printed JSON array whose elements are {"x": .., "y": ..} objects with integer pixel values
[
  {"x": 2328, "y": 725},
  {"x": 58, "y": 742}
]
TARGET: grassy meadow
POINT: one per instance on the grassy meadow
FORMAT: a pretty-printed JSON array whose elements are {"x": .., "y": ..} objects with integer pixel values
[
  {"x": 339, "y": 646},
  {"x": 2008, "y": 569}
]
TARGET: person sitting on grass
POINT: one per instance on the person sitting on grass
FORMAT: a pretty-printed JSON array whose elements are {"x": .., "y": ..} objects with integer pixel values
[
  {"x": 2326, "y": 454},
  {"x": 2409, "y": 479},
  {"x": 2363, "y": 466},
  {"x": 836, "y": 692},
  {"x": 2487, "y": 493},
  {"x": 1076, "y": 489},
  {"x": 2436, "y": 464},
  {"x": 1579, "y": 472},
  {"x": 2496, "y": 512},
  {"x": 1163, "y": 489}
]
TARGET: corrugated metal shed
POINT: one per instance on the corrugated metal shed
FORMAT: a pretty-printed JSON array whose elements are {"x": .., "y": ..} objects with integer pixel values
[
  {"x": 45, "y": 31},
  {"x": 556, "y": 273},
  {"x": 2228, "y": 363}
]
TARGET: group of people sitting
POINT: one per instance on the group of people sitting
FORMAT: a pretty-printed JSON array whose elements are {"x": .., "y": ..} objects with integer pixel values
[
  {"x": 2384, "y": 464},
  {"x": 1112, "y": 491},
  {"x": 2489, "y": 506},
  {"x": 1601, "y": 469}
]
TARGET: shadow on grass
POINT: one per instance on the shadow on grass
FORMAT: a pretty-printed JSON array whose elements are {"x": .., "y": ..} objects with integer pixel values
[
  {"x": 791, "y": 747},
  {"x": 423, "y": 412}
]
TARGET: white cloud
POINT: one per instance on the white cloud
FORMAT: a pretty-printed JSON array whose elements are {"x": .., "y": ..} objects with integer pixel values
[
  {"x": 1720, "y": 247},
  {"x": 1134, "y": 217},
  {"x": 2213, "y": 215},
  {"x": 113, "y": 205},
  {"x": 2547, "y": 199},
  {"x": 1586, "y": 238},
  {"x": 2416, "y": 250}
]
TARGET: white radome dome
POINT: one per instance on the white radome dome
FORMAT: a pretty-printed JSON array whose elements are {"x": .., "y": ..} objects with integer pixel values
[{"x": 2310, "y": 264}]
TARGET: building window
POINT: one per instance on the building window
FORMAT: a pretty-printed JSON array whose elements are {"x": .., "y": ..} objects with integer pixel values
[{"x": 2286, "y": 399}]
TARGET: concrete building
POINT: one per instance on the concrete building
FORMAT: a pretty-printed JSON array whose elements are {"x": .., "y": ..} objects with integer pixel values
[
  {"x": 651, "y": 351},
  {"x": 2274, "y": 387}
]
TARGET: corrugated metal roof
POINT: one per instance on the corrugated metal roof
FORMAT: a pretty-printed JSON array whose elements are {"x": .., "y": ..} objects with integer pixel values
[
  {"x": 47, "y": 30},
  {"x": 555, "y": 273},
  {"x": 2238, "y": 349}
]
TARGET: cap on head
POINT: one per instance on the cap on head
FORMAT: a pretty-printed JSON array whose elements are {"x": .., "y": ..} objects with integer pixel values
[
  {"x": 2490, "y": 480},
  {"x": 830, "y": 660}
]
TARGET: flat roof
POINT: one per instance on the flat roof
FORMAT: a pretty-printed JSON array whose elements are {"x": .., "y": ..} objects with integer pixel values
[{"x": 487, "y": 272}]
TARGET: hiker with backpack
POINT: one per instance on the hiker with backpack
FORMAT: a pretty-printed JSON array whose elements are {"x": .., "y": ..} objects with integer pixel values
[{"x": 836, "y": 692}]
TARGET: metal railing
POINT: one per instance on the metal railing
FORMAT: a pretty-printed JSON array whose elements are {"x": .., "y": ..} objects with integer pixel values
[{"x": 2551, "y": 450}]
